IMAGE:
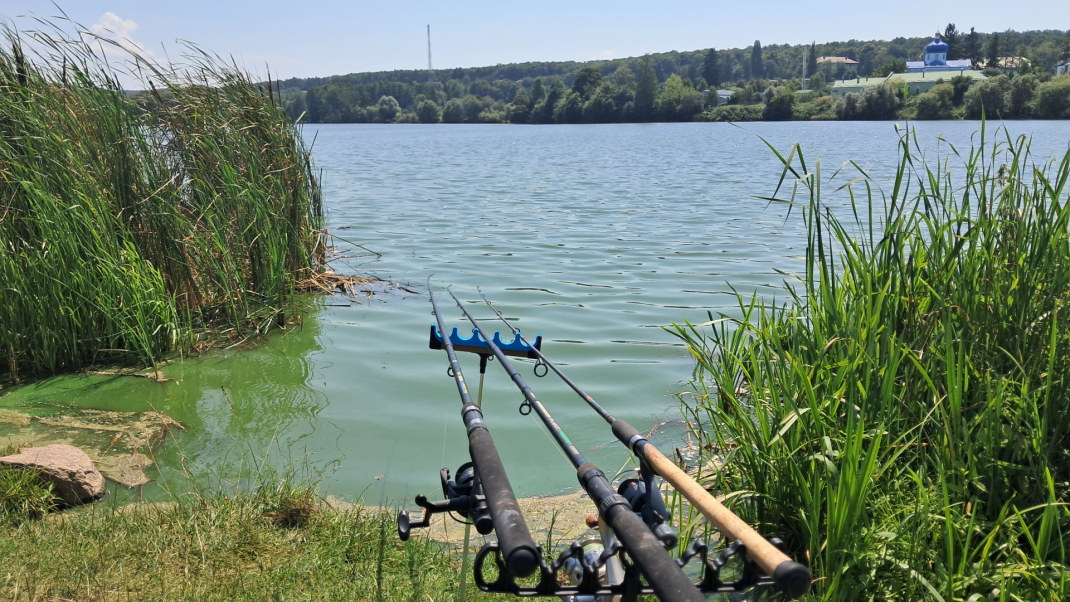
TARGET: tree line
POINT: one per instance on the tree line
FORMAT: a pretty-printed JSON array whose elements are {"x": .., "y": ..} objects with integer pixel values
[
  {"x": 675, "y": 86},
  {"x": 591, "y": 98}
]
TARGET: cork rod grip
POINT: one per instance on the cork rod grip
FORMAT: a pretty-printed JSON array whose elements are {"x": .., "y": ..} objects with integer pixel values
[{"x": 790, "y": 577}]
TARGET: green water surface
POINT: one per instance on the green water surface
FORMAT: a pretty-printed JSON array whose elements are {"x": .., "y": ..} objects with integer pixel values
[{"x": 594, "y": 236}]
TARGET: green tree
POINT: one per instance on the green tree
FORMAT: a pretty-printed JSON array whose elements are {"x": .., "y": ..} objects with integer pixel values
[
  {"x": 960, "y": 83},
  {"x": 892, "y": 66},
  {"x": 677, "y": 101},
  {"x": 972, "y": 48},
  {"x": 587, "y": 81},
  {"x": 569, "y": 109},
  {"x": 951, "y": 38},
  {"x": 1020, "y": 96},
  {"x": 297, "y": 108},
  {"x": 992, "y": 52},
  {"x": 1052, "y": 99},
  {"x": 873, "y": 103},
  {"x": 934, "y": 104},
  {"x": 781, "y": 107},
  {"x": 624, "y": 78},
  {"x": 757, "y": 65},
  {"x": 428, "y": 112},
  {"x": 668, "y": 98},
  {"x": 989, "y": 95},
  {"x": 537, "y": 92},
  {"x": 544, "y": 109},
  {"x": 601, "y": 108},
  {"x": 866, "y": 61},
  {"x": 645, "y": 90},
  {"x": 817, "y": 84},
  {"x": 454, "y": 111},
  {"x": 388, "y": 108},
  {"x": 455, "y": 89},
  {"x": 811, "y": 60},
  {"x": 711, "y": 68},
  {"x": 519, "y": 112}
]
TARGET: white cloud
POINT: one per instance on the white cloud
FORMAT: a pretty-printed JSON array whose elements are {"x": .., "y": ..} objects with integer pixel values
[
  {"x": 605, "y": 55},
  {"x": 114, "y": 27}
]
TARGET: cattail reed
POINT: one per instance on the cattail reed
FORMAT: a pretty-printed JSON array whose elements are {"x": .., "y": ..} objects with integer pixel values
[{"x": 132, "y": 224}]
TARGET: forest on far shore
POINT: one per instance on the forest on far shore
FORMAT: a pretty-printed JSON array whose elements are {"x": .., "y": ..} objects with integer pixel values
[{"x": 757, "y": 83}]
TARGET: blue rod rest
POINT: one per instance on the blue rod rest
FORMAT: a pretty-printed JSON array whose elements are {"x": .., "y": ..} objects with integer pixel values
[{"x": 477, "y": 344}]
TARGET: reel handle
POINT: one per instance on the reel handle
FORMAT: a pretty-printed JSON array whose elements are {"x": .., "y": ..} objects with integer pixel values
[{"x": 405, "y": 524}]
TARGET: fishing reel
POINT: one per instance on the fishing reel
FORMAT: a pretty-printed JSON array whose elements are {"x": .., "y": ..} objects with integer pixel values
[
  {"x": 598, "y": 570},
  {"x": 586, "y": 570},
  {"x": 645, "y": 498},
  {"x": 463, "y": 496}
]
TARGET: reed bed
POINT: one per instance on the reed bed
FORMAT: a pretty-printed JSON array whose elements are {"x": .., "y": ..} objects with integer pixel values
[
  {"x": 903, "y": 421},
  {"x": 133, "y": 225}
]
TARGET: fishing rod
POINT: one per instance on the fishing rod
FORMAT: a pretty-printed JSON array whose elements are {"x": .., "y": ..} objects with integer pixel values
[
  {"x": 790, "y": 577},
  {"x": 645, "y": 546},
  {"x": 481, "y": 490}
]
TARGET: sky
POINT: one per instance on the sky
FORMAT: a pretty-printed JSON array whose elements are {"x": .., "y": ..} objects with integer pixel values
[{"x": 318, "y": 38}]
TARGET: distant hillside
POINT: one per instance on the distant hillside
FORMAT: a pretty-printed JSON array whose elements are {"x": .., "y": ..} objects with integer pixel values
[
  {"x": 667, "y": 86},
  {"x": 779, "y": 61}
]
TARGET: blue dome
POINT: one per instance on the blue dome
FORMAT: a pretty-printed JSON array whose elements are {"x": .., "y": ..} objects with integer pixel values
[{"x": 935, "y": 46}]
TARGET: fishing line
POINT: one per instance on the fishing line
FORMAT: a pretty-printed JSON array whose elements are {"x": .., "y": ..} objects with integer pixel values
[
  {"x": 445, "y": 418},
  {"x": 546, "y": 433}
]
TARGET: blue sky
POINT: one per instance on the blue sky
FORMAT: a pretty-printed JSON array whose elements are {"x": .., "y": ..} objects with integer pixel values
[{"x": 310, "y": 38}]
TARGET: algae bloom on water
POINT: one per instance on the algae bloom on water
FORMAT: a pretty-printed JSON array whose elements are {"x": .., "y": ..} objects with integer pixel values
[{"x": 131, "y": 221}]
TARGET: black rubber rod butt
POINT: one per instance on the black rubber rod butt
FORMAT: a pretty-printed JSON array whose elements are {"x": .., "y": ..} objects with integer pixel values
[
  {"x": 661, "y": 571},
  {"x": 790, "y": 577},
  {"x": 518, "y": 549}
]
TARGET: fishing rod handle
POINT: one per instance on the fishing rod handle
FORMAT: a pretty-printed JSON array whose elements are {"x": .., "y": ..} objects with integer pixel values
[
  {"x": 647, "y": 551},
  {"x": 518, "y": 548},
  {"x": 790, "y": 577}
]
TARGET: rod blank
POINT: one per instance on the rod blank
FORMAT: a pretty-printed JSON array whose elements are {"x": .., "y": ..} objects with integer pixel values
[
  {"x": 661, "y": 571},
  {"x": 518, "y": 548},
  {"x": 790, "y": 577}
]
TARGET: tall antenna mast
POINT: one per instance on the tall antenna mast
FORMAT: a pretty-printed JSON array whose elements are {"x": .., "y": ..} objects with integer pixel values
[{"x": 430, "y": 69}]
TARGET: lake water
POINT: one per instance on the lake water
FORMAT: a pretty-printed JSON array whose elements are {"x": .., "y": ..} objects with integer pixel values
[{"x": 595, "y": 237}]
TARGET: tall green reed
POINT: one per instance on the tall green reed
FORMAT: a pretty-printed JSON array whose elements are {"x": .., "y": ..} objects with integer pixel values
[
  {"x": 903, "y": 421},
  {"x": 130, "y": 223}
]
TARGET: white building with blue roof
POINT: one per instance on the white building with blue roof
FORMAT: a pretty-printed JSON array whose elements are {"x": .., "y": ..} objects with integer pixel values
[
  {"x": 936, "y": 59},
  {"x": 920, "y": 76}
]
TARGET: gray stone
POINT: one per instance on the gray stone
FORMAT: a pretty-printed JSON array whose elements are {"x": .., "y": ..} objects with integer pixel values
[{"x": 74, "y": 478}]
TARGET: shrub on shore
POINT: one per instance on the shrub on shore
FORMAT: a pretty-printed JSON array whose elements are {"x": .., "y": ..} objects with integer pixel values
[
  {"x": 735, "y": 113},
  {"x": 904, "y": 422},
  {"x": 124, "y": 226}
]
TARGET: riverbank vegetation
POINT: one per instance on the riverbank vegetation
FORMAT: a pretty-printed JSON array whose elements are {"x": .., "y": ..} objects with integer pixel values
[
  {"x": 755, "y": 83},
  {"x": 902, "y": 419},
  {"x": 275, "y": 541},
  {"x": 130, "y": 228}
]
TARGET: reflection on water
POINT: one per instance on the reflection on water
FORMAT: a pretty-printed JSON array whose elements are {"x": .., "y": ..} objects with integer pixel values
[{"x": 593, "y": 236}]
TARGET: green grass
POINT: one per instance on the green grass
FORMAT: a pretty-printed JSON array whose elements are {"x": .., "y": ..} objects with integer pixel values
[
  {"x": 271, "y": 542},
  {"x": 23, "y": 495},
  {"x": 130, "y": 226},
  {"x": 903, "y": 421}
]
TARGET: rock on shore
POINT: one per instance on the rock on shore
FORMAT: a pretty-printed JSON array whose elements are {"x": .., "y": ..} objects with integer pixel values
[{"x": 72, "y": 474}]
